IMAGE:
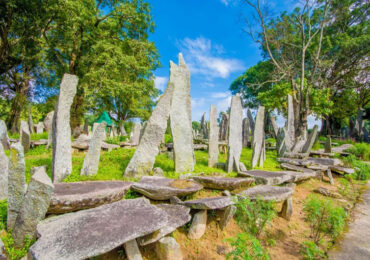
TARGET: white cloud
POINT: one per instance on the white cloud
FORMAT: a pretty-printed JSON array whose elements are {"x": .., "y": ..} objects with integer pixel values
[
  {"x": 203, "y": 57},
  {"x": 225, "y": 2},
  {"x": 197, "y": 102},
  {"x": 220, "y": 94},
  {"x": 160, "y": 82}
]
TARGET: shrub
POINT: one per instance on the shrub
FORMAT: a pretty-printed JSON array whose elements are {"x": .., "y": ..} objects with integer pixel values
[
  {"x": 361, "y": 150},
  {"x": 324, "y": 218},
  {"x": 3, "y": 214},
  {"x": 252, "y": 216},
  {"x": 310, "y": 251},
  {"x": 348, "y": 190},
  {"x": 362, "y": 169},
  {"x": 246, "y": 247},
  {"x": 13, "y": 252}
]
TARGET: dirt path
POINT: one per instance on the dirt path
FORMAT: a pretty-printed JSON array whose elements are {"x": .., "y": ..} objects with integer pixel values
[{"x": 356, "y": 243}]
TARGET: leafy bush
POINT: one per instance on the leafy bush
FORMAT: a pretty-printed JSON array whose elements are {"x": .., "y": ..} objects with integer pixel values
[
  {"x": 3, "y": 214},
  {"x": 252, "y": 216},
  {"x": 362, "y": 169},
  {"x": 246, "y": 247},
  {"x": 348, "y": 190},
  {"x": 361, "y": 150},
  {"x": 324, "y": 218},
  {"x": 311, "y": 251}
]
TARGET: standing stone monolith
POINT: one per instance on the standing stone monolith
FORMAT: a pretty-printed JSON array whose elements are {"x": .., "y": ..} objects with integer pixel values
[
  {"x": 122, "y": 129},
  {"x": 328, "y": 145},
  {"x": 213, "y": 138},
  {"x": 224, "y": 127},
  {"x": 251, "y": 121},
  {"x": 144, "y": 157},
  {"x": 203, "y": 127},
  {"x": 33, "y": 208},
  {"x": 16, "y": 183},
  {"x": 86, "y": 127},
  {"x": 258, "y": 155},
  {"x": 290, "y": 126},
  {"x": 48, "y": 121},
  {"x": 24, "y": 136},
  {"x": 3, "y": 173},
  {"x": 245, "y": 132},
  {"x": 40, "y": 128},
  {"x": 135, "y": 134},
  {"x": 275, "y": 127},
  {"x": 91, "y": 161},
  {"x": 280, "y": 142},
  {"x": 180, "y": 117},
  {"x": 62, "y": 151},
  {"x": 30, "y": 122},
  {"x": 310, "y": 141},
  {"x": 235, "y": 134},
  {"x": 4, "y": 139}
]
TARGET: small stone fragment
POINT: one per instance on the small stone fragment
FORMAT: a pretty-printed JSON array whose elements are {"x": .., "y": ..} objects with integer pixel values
[
  {"x": 132, "y": 250},
  {"x": 157, "y": 171},
  {"x": 199, "y": 224},
  {"x": 287, "y": 209},
  {"x": 168, "y": 249},
  {"x": 227, "y": 215}
]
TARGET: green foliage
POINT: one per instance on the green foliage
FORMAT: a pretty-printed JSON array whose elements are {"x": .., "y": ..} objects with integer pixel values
[
  {"x": 195, "y": 125},
  {"x": 116, "y": 140},
  {"x": 168, "y": 138},
  {"x": 132, "y": 195},
  {"x": 3, "y": 213},
  {"x": 324, "y": 218},
  {"x": 246, "y": 247},
  {"x": 252, "y": 216},
  {"x": 349, "y": 190},
  {"x": 311, "y": 251},
  {"x": 361, "y": 150},
  {"x": 36, "y": 137},
  {"x": 13, "y": 252},
  {"x": 362, "y": 171}
]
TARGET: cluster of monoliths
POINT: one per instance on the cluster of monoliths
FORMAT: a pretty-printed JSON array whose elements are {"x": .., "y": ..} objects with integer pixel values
[
  {"x": 174, "y": 103},
  {"x": 213, "y": 138},
  {"x": 259, "y": 153},
  {"x": 135, "y": 134},
  {"x": 91, "y": 161},
  {"x": 224, "y": 127},
  {"x": 246, "y": 126},
  {"x": 24, "y": 136},
  {"x": 235, "y": 134},
  {"x": 144, "y": 157},
  {"x": 180, "y": 117},
  {"x": 203, "y": 127},
  {"x": 62, "y": 152}
]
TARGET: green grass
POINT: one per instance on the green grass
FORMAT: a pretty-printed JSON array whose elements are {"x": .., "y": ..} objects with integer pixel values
[{"x": 37, "y": 137}]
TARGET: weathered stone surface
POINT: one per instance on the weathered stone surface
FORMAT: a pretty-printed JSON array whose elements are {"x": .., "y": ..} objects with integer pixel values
[
  {"x": 4, "y": 139},
  {"x": 227, "y": 215},
  {"x": 296, "y": 168},
  {"x": 235, "y": 134},
  {"x": 223, "y": 183},
  {"x": 40, "y": 128},
  {"x": 326, "y": 192},
  {"x": 267, "y": 177},
  {"x": 300, "y": 176},
  {"x": 180, "y": 117},
  {"x": 4, "y": 164},
  {"x": 48, "y": 121},
  {"x": 30, "y": 121},
  {"x": 287, "y": 209},
  {"x": 342, "y": 170},
  {"x": 297, "y": 162},
  {"x": 326, "y": 161},
  {"x": 62, "y": 154},
  {"x": 132, "y": 250},
  {"x": 92, "y": 232},
  {"x": 33, "y": 208},
  {"x": 135, "y": 134},
  {"x": 198, "y": 226},
  {"x": 161, "y": 188},
  {"x": 210, "y": 203},
  {"x": 76, "y": 131},
  {"x": 224, "y": 127},
  {"x": 280, "y": 143},
  {"x": 91, "y": 161},
  {"x": 290, "y": 129},
  {"x": 245, "y": 130},
  {"x": 68, "y": 197},
  {"x": 16, "y": 183},
  {"x": 178, "y": 216},
  {"x": 317, "y": 167},
  {"x": 203, "y": 127},
  {"x": 242, "y": 167},
  {"x": 25, "y": 136},
  {"x": 328, "y": 145},
  {"x": 330, "y": 176},
  {"x": 274, "y": 126},
  {"x": 310, "y": 141},
  {"x": 168, "y": 249},
  {"x": 258, "y": 147},
  {"x": 322, "y": 154},
  {"x": 143, "y": 160},
  {"x": 213, "y": 137},
  {"x": 39, "y": 142},
  {"x": 122, "y": 129},
  {"x": 267, "y": 192},
  {"x": 157, "y": 171},
  {"x": 251, "y": 121}
]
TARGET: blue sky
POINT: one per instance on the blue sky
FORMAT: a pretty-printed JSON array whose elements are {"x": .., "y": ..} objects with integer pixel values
[{"x": 211, "y": 36}]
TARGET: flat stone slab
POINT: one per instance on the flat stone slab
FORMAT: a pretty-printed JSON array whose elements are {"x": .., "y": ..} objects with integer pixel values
[
  {"x": 83, "y": 144},
  {"x": 210, "y": 203},
  {"x": 68, "y": 197},
  {"x": 222, "y": 183},
  {"x": 296, "y": 168},
  {"x": 342, "y": 170},
  {"x": 39, "y": 142},
  {"x": 321, "y": 153},
  {"x": 93, "y": 232},
  {"x": 178, "y": 216},
  {"x": 267, "y": 177},
  {"x": 161, "y": 188},
  {"x": 326, "y": 161},
  {"x": 297, "y": 162},
  {"x": 267, "y": 192},
  {"x": 301, "y": 176}
]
